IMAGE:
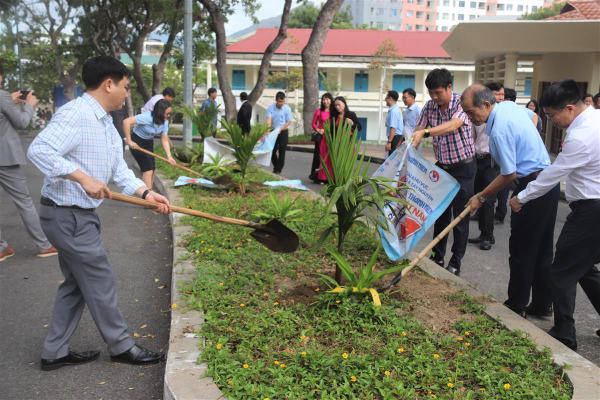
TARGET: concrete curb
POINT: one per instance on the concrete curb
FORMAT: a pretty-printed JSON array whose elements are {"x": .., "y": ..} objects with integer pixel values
[{"x": 186, "y": 380}]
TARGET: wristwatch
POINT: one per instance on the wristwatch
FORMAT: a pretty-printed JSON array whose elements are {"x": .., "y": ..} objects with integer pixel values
[
  {"x": 481, "y": 198},
  {"x": 518, "y": 200},
  {"x": 427, "y": 134},
  {"x": 145, "y": 194},
  {"x": 389, "y": 141}
]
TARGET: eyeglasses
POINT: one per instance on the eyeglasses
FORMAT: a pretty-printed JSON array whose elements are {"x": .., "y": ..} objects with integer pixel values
[{"x": 557, "y": 112}]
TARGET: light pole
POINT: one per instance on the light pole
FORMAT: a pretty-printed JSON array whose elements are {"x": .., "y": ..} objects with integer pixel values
[{"x": 187, "y": 70}]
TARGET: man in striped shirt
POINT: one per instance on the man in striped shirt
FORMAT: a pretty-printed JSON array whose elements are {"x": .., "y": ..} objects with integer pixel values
[
  {"x": 79, "y": 152},
  {"x": 444, "y": 119}
]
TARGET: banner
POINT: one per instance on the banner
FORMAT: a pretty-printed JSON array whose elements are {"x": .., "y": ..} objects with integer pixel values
[
  {"x": 186, "y": 180},
  {"x": 262, "y": 149},
  {"x": 292, "y": 184},
  {"x": 431, "y": 192}
]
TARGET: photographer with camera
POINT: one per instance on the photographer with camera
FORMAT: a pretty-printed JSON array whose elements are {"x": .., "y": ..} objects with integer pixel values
[{"x": 12, "y": 157}]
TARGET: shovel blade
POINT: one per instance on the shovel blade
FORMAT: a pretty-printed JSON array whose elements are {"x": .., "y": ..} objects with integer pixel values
[
  {"x": 276, "y": 237},
  {"x": 224, "y": 180}
]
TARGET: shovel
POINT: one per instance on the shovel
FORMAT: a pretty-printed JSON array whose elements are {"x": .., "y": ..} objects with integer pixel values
[
  {"x": 224, "y": 180},
  {"x": 274, "y": 235},
  {"x": 427, "y": 249}
]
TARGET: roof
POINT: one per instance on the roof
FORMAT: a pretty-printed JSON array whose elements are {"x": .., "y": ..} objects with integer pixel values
[
  {"x": 348, "y": 42},
  {"x": 579, "y": 10}
]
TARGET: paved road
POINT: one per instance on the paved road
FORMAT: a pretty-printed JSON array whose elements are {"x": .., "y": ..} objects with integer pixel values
[
  {"x": 488, "y": 270},
  {"x": 138, "y": 244}
]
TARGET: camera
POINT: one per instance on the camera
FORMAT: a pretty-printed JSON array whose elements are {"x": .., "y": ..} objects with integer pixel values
[{"x": 24, "y": 94}]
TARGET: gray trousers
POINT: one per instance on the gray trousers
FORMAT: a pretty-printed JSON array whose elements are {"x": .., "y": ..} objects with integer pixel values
[
  {"x": 13, "y": 182},
  {"x": 89, "y": 279}
]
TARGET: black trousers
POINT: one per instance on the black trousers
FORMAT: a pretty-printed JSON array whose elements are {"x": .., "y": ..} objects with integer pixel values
[
  {"x": 577, "y": 250},
  {"x": 465, "y": 175},
  {"x": 485, "y": 175},
  {"x": 502, "y": 207},
  {"x": 530, "y": 248},
  {"x": 395, "y": 142},
  {"x": 280, "y": 146},
  {"x": 316, "y": 162}
]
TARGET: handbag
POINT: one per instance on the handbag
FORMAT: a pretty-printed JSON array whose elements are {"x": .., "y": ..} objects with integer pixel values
[{"x": 316, "y": 137}]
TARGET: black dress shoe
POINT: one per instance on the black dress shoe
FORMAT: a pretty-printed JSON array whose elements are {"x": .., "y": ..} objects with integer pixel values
[
  {"x": 521, "y": 313},
  {"x": 538, "y": 311},
  {"x": 485, "y": 244},
  {"x": 481, "y": 238},
  {"x": 598, "y": 332},
  {"x": 138, "y": 355},
  {"x": 72, "y": 358},
  {"x": 438, "y": 262},
  {"x": 453, "y": 270}
]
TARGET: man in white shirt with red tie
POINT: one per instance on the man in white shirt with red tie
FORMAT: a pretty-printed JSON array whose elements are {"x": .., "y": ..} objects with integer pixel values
[{"x": 578, "y": 246}]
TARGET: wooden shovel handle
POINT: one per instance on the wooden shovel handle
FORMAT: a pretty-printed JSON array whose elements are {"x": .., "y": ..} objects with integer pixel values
[
  {"x": 166, "y": 160},
  {"x": 435, "y": 241},
  {"x": 182, "y": 210}
]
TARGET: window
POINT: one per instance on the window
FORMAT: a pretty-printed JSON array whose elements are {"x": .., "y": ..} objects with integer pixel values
[
  {"x": 419, "y": 28},
  {"x": 430, "y": 16},
  {"x": 500, "y": 7},
  {"x": 520, "y": 8},
  {"x": 444, "y": 29},
  {"x": 534, "y": 9},
  {"x": 421, "y": 2},
  {"x": 394, "y": 12},
  {"x": 528, "y": 85},
  {"x": 473, "y": 4},
  {"x": 321, "y": 87},
  {"x": 491, "y": 7},
  {"x": 380, "y": 26},
  {"x": 509, "y": 7},
  {"x": 445, "y": 16},
  {"x": 372, "y": 10},
  {"x": 393, "y": 1},
  {"x": 420, "y": 14},
  {"x": 392, "y": 27},
  {"x": 409, "y": 27},
  {"x": 461, "y": 4},
  {"x": 446, "y": 3},
  {"x": 380, "y": 11},
  {"x": 409, "y": 13},
  {"x": 410, "y": 1},
  {"x": 238, "y": 79},
  {"x": 361, "y": 82},
  {"x": 471, "y": 17},
  {"x": 461, "y": 17},
  {"x": 482, "y": 6}
]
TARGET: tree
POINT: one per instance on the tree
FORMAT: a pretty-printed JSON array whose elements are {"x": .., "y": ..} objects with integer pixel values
[
  {"x": 306, "y": 15},
  {"x": 290, "y": 81},
  {"x": 218, "y": 11},
  {"x": 310, "y": 59},
  {"x": 544, "y": 12},
  {"x": 68, "y": 52},
  {"x": 330, "y": 84},
  {"x": 385, "y": 56}
]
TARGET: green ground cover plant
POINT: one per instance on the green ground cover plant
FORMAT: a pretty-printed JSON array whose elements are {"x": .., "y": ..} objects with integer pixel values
[{"x": 272, "y": 331}]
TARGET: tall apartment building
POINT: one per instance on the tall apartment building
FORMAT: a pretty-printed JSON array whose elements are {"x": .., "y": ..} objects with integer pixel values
[{"x": 434, "y": 15}]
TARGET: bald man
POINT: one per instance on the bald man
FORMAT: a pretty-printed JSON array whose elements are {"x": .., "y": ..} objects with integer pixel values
[{"x": 518, "y": 150}]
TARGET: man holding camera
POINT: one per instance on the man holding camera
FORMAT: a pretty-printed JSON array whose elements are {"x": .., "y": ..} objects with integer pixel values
[{"x": 12, "y": 178}]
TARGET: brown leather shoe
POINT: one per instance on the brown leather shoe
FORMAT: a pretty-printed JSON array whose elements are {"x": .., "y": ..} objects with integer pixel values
[
  {"x": 9, "y": 252},
  {"x": 48, "y": 253}
]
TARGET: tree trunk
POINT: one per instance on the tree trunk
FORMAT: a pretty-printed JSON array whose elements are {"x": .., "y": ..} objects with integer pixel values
[
  {"x": 310, "y": 60},
  {"x": 68, "y": 83},
  {"x": 263, "y": 71}
]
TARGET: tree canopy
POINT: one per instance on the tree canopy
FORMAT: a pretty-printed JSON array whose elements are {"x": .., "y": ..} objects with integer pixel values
[
  {"x": 544, "y": 12},
  {"x": 306, "y": 15}
]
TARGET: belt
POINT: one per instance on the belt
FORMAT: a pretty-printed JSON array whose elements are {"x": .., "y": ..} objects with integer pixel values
[
  {"x": 482, "y": 156},
  {"x": 47, "y": 202},
  {"x": 579, "y": 203},
  {"x": 449, "y": 167},
  {"x": 531, "y": 177}
]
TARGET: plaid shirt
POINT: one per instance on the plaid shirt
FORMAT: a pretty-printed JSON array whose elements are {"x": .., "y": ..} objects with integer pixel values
[
  {"x": 81, "y": 136},
  {"x": 454, "y": 146}
]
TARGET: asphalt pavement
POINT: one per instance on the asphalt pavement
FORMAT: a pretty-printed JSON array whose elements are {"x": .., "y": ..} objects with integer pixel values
[
  {"x": 487, "y": 270},
  {"x": 138, "y": 245}
]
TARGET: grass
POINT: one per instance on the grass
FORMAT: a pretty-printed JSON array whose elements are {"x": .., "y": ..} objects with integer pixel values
[{"x": 272, "y": 332}]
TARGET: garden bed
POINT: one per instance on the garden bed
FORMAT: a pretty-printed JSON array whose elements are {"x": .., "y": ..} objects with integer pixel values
[{"x": 272, "y": 332}]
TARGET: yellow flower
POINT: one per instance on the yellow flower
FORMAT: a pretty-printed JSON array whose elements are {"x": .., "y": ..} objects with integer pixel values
[
  {"x": 401, "y": 350},
  {"x": 345, "y": 355},
  {"x": 353, "y": 378},
  {"x": 507, "y": 386},
  {"x": 436, "y": 356},
  {"x": 449, "y": 379},
  {"x": 317, "y": 289},
  {"x": 433, "y": 396},
  {"x": 174, "y": 306},
  {"x": 482, "y": 389},
  {"x": 242, "y": 305},
  {"x": 266, "y": 398},
  {"x": 459, "y": 339},
  {"x": 318, "y": 270},
  {"x": 276, "y": 303},
  {"x": 282, "y": 365},
  {"x": 303, "y": 353},
  {"x": 220, "y": 283},
  {"x": 467, "y": 344},
  {"x": 403, "y": 333},
  {"x": 276, "y": 362},
  {"x": 302, "y": 337},
  {"x": 230, "y": 382},
  {"x": 450, "y": 385},
  {"x": 209, "y": 249},
  {"x": 387, "y": 373},
  {"x": 219, "y": 346},
  {"x": 337, "y": 301},
  {"x": 265, "y": 294},
  {"x": 467, "y": 334},
  {"x": 245, "y": 365}
]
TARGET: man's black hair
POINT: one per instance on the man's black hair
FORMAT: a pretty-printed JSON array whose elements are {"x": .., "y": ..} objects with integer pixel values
[
  {"x": 588, "y": 95},
  {"x": 596, "y": 98},
  {"x": 561, "y": 94},
  {"x": 439, "y": 77},
  {"x": 280, "y": 95},
  {"x": 243, "y": 96},
  {"x": 158, "y": 113},
  {"x": 169, "y": 92},
  {"x": 495, "y": 86},
  {"x": 97, "y": 69},
  {"x": 212, "y": 90},
  {"x": 410, "y": 92},
  {"x": 393, "y": 94},
  {"x": 510, "y": 94}
]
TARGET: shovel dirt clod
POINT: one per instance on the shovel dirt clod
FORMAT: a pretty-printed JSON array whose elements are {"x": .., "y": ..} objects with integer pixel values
[{"x": 274, "y": 235}]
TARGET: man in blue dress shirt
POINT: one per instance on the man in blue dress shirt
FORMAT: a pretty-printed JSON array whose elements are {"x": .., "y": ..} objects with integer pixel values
[
  {"x": 79, "y": 152},
  {"x": 279, "y": 115},
  {"x": 393, "y": 122},
  {"x": 211, "y": 102},
  {"x": 517, "y": 148}
]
